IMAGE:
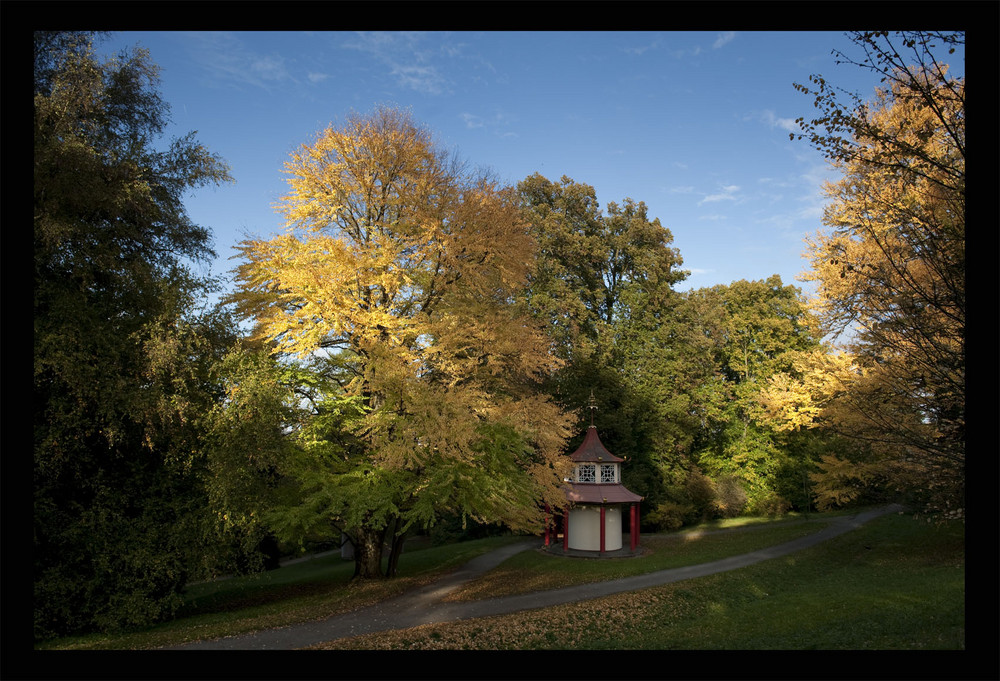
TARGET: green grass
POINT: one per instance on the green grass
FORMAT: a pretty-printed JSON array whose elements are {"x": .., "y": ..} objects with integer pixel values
[
  {"x": 893, "y": 584},
  {"x": 536, "y": 570},
  {"x": 295, "y": 593}
]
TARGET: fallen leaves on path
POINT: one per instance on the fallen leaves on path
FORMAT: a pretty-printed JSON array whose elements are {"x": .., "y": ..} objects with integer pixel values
[{"x": 612, "y": 618}]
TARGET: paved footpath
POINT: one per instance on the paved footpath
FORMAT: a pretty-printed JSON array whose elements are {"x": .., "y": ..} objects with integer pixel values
[{"x": 424, "y": 606}]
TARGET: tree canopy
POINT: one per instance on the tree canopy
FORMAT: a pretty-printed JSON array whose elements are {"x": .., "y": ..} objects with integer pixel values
[
  {"x": 124, "y": 362},
  {"x": 890, "y": 270},
  {"x": 403, "y": 269}
]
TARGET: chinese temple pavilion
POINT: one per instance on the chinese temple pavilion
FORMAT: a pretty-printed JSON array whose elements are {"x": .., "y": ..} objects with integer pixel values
[{"x": 592, "y": 519}]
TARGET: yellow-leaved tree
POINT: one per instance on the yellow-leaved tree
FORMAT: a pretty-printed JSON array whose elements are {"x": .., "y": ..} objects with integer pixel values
[
  {"x": 395, "y": 290},
  {"x": 890, "y": 271}
]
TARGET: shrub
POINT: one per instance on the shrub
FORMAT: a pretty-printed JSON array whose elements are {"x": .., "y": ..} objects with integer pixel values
[
  {"x": 700, "y": 493},
  {"x": 730, "y": 497},
  {"x": 669, "y": 515},
  {"x": 770, "y": 504}
]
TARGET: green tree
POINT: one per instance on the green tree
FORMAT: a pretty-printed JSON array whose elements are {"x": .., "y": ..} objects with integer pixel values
[
  {"x": 891, "y": 266},
  {"x": 603, "y": 283},
  {"x": 122, "y": 359},
  {"x": 394, "y": 287},
  {"x": 760, "y": 328},
  {"x": 595, "y": 269}
]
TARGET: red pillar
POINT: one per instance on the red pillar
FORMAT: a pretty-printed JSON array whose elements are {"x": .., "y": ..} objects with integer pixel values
[
  {"x": 637, "y": 522},
  {"x": 566, "y": 530},
  {"x": 634, "y": 526},
  {"x": 602, "y": 529},
  {"x": 547, "y": 523}
]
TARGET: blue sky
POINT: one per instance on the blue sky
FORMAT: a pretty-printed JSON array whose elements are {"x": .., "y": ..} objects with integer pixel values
[{"x": 695, "y": 124}]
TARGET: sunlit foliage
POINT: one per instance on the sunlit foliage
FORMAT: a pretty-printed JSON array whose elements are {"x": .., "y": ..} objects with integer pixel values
[
  {"x": 395, "y": 284},
  {"x": 890, "y": 268}
]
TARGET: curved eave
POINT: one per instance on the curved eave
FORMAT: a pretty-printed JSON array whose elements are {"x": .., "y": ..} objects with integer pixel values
[{"x": 600, "y": 493}]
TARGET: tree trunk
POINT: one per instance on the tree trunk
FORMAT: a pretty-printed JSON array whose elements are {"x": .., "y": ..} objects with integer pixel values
[
  {"x": 368, "y": 553},
  {"x": 395, "y": 549}
]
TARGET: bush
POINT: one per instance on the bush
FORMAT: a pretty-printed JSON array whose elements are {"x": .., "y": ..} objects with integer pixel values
[
  {"x": 700, "y": 493},
  {"x": 730, "y": 497},
  {"x": 669, "y": 516},
  {"x": 770, "y": 504}
]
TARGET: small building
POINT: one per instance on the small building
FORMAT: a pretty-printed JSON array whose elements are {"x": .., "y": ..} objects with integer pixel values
[{"x": 596, "y": 503}]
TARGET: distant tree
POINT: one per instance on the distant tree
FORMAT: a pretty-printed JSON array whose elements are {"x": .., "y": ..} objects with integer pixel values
[
  {"x": 393, "y": 294},
  {"x": 595, "y": 269},
  {"x": 758, "y": 328},
  {"x": 124, "y": 361},
  {"x": 891, "y": 270},
  {"x": 603, "y": 284}
]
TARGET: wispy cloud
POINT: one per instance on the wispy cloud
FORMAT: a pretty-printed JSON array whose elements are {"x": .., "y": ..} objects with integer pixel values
[
  {"x": 226, "y": 58},
  {"x": 774, "y": 121},
  {"x": 407, "y": 58},
  {"x": 728, "y": 193},
  {"x": 639, "y": 50},
  {"x": 497, "y": 124},
  {"x": 472, "y": 121},
  {"x": 723, "y": 39},
  {"x": 424, "y": 79}
]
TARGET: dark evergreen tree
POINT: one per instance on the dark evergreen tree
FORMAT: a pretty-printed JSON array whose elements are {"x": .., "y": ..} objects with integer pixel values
[{"x": 125, "y": 364}]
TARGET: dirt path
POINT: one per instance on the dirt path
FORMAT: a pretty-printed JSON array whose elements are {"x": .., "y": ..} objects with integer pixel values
[{"x": 425, "y": 606}]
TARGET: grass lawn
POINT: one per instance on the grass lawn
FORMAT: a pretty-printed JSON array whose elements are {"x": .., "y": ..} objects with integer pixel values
[
  {"x": 893, "y": 584},
  {"x": 537, "y": 570},
  {"x": 300, "y": 592}
]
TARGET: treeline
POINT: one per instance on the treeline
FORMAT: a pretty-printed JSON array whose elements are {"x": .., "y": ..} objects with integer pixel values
[{"x": 424, "y": 339}]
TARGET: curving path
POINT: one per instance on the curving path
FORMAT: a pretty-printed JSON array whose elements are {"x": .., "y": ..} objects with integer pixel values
[{"x": 424, "y": 606}]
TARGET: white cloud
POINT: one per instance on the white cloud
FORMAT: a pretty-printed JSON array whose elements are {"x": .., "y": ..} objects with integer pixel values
[
  {"x": 773, "y": 121},
  {"x": 317, "y": 77},
  {"x": 226, "y": 58},
  {"x": 269, "y": 67},
  {"x": 424, "y": 79},
  {"x": 472, "y": 121},
  {"x": 723, "y": 39},
  {"x": 638, "y": 50},
  {"x": 728, "y": 193},
  {"x": 406, "y": 61}
]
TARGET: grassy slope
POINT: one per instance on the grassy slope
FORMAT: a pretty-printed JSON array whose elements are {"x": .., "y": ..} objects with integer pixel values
[{"x": 894, "y": 584}]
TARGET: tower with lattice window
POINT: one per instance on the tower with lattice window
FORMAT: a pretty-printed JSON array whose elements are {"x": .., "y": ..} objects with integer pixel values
[{"x": 596, "y": 502}]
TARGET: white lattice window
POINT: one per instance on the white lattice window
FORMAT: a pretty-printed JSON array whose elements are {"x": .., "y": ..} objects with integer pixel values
[
  {"x": 609, "y": 472},
  {"x": 586, "y": 472}
]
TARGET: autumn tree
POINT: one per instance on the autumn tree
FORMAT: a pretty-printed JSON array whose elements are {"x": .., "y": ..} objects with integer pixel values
[
  {"x": 394, "y": 289},
  {"x": 890, "y": 271},
  {"x": 125, "y": 351}
]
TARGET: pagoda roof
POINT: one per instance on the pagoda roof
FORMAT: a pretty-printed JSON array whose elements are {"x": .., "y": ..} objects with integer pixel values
[
  {"x": 592, "y": 449},
  {"x": 600, "y": 493}
]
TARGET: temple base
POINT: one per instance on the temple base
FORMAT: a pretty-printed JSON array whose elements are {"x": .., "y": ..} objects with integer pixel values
[{"x": 556, "y": 549}]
